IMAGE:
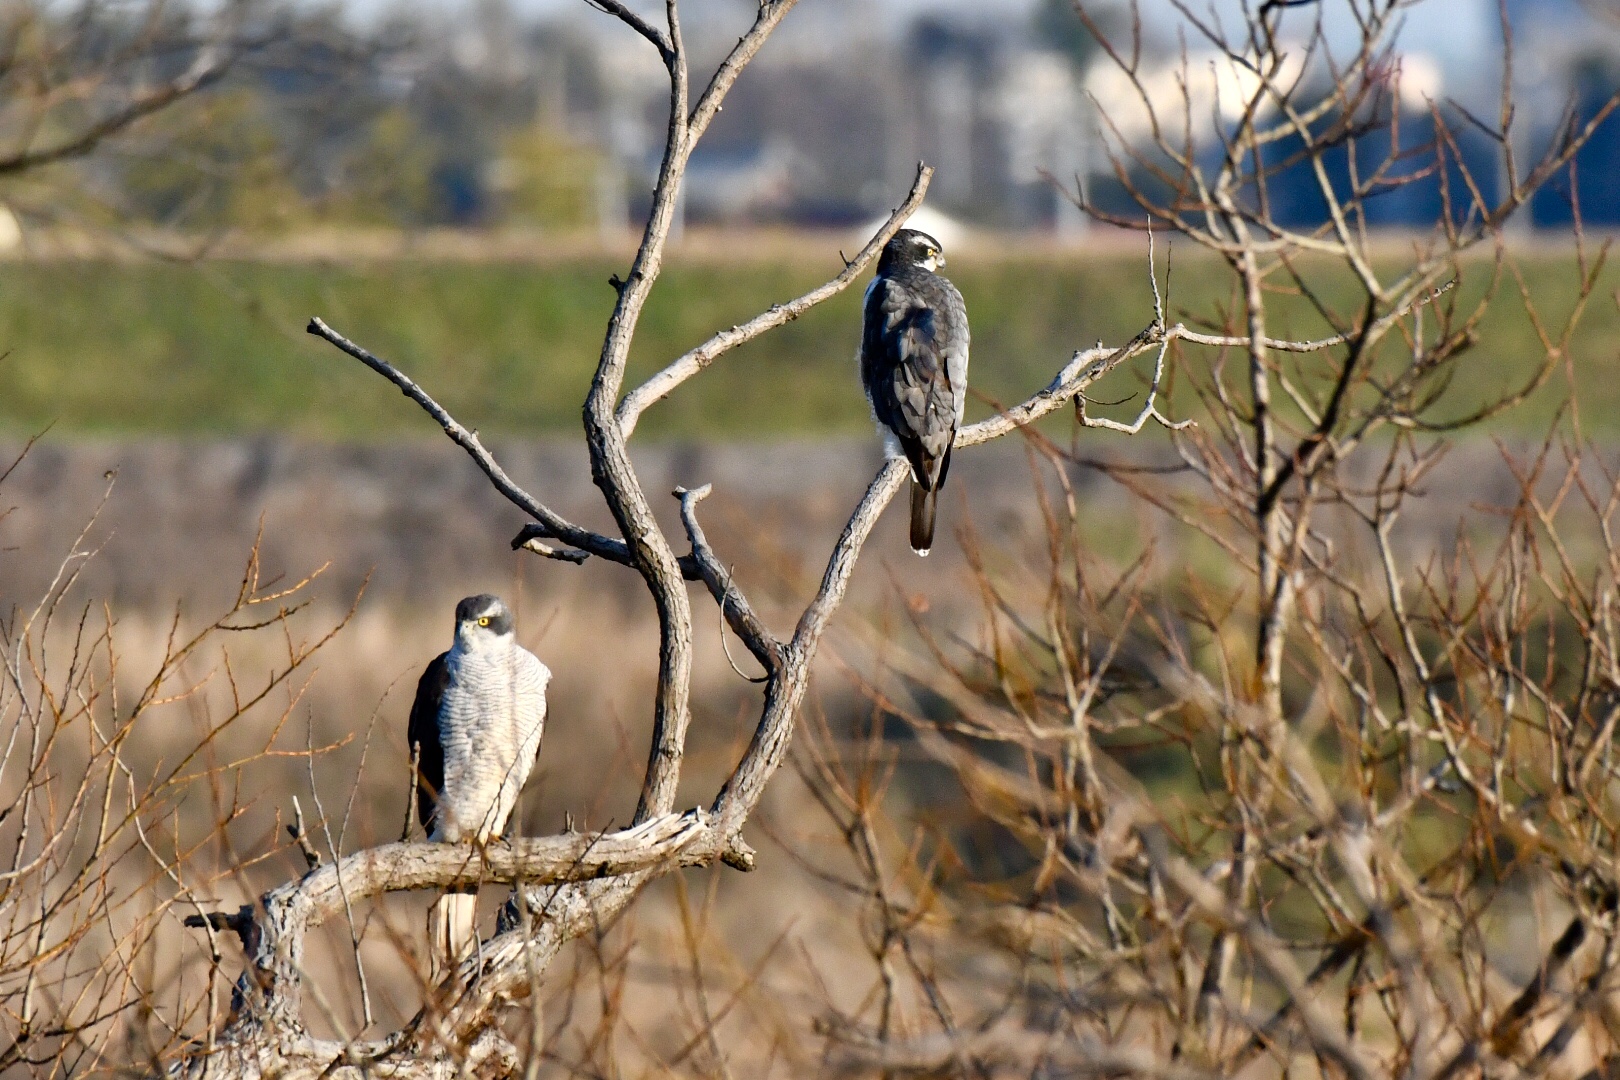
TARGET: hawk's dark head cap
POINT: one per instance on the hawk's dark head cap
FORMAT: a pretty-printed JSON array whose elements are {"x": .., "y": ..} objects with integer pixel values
[
  {"x": 911, "y": 247},
  {"x": 484, "y": 612}
]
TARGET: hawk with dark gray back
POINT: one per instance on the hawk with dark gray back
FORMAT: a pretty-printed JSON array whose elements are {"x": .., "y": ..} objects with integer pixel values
[
  {"x": 475, "y": 730},
  {"x": 914, "y": 360}
]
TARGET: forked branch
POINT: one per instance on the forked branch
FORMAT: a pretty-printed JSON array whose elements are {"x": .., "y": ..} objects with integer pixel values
[{"x": 662, "y": 384}]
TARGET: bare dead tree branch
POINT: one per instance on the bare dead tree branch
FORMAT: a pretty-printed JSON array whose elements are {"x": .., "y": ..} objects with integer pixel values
[{"x": 662, "y": 384}]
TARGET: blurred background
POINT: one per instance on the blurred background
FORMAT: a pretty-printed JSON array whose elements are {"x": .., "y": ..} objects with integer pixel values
[
  {"x": 542, "y": 115},
  {"x": 452, "y": 185}
]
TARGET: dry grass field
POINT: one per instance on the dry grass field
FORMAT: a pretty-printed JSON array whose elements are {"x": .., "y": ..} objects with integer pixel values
[
  {"x": 408, "y": 529},
  {"x": 713, "y": 972}
]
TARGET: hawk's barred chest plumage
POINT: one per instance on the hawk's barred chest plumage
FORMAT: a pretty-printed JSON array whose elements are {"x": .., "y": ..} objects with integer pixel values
[
  {"x": 475, "y": 728},
  {"x": 479, "y": 714},
  {"x": 914, "y": 363}
]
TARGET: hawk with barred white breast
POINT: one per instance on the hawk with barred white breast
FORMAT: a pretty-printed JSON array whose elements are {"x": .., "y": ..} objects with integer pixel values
[{"x": 475, "y": 730}]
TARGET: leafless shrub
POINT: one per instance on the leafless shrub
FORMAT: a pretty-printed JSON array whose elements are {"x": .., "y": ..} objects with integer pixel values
[
  {"x": 73, "y": 77},
  {"x": 1314, "y": 800},
  {"x": 105, "y": 738}
]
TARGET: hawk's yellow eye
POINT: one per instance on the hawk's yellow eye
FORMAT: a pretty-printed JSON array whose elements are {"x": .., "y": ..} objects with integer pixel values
[{"x": 484, "y": 621}]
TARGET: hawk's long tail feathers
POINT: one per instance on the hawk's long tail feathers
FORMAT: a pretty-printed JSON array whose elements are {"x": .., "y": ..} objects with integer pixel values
[
  {"x": 922, "y": 517},
  {"x": 452, "y": 931}
]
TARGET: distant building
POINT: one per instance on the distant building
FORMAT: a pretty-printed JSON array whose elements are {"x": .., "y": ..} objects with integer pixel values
[
  {"x": 1566, "y": 65},
  {"x": 1411, "y": 173},
  {"x": 759, "y": 181},
  {"x": 828, "y": 123},
  {"x": 827, "y": 128}
]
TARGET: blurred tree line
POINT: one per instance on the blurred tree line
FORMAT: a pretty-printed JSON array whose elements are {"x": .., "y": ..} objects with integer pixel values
[
  {"x": 470, "y": 115},
  {"x": 416, "y": 121}
]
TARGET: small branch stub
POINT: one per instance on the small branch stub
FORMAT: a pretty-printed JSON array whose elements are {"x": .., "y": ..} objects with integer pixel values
[
  {"x": 300, "y": 835},
  {"x": 530, "y": 538}
]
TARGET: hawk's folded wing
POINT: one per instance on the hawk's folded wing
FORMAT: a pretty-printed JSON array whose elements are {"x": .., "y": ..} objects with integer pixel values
[
  {"x": 423, "y": 735},
  {"x": 904, "y": 364}
]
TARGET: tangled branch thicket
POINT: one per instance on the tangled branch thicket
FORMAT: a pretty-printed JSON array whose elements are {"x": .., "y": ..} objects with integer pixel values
[
  {"x": 1287, "y": 806},
  {"x": 102, "y": 862}
]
